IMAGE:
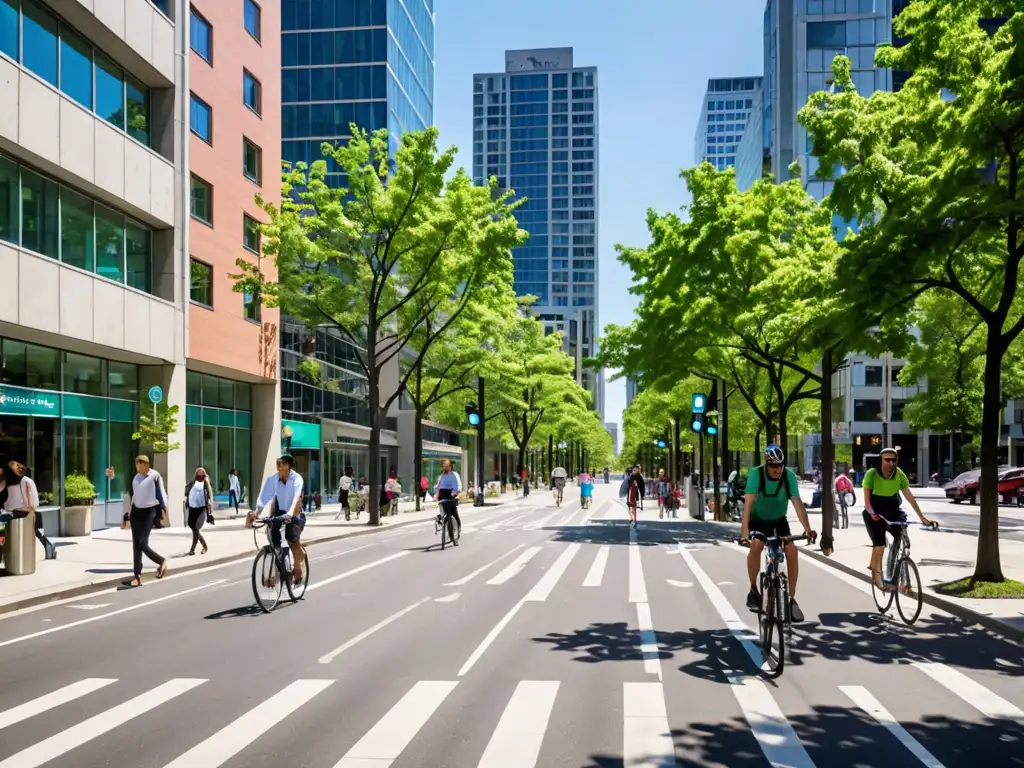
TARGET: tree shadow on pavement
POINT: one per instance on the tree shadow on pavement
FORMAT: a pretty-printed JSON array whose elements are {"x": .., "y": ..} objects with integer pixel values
[{"x": 648, "y": 534}]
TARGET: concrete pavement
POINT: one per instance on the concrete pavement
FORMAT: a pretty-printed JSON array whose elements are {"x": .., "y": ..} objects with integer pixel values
[{"x": 544, "y": 639}]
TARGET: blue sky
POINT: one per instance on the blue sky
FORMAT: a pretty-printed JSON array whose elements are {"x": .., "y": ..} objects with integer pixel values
[{"x": 653, "y": 66}]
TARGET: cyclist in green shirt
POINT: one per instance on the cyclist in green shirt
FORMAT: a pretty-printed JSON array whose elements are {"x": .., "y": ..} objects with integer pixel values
[{"x": 770, "y": 489}]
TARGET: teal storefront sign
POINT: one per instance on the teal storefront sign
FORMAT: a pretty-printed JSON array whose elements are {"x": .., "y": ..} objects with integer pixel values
[
  {"x": 18, "y": 401},
  {"x": 303, "y": 434}
]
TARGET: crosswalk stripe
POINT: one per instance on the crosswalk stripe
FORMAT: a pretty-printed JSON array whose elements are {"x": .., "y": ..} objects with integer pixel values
[
  {"x": 77, "y": 735},
  {"x": 542, "y": 522},
  {"x": 229, "y": 741},
  {"x": 596, "y": 573},
  {"x": 53, "y": 699},
  {"x": 383, "y": 743},
  {"x": 647, "y": 739},
  {"x": 354, "y": 571},
  {"x": 648, "y": 640},
  {"x": 514, "y": 567},
  {"x": 975, "y": 694},
  {"x": 543, "y": 588},
  {"x": 778, "y": 740},
  {"x": 517, "y": 740},
  {"x": 863, "y": 699},
  {"x": 637, "y": 586},
  {"x": 466, "y": 579}
]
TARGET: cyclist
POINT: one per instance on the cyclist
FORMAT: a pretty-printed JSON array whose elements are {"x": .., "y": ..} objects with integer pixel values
[
  {"x": 447, "y": 490},
  {"x": 882, "y": 506},
  {"x": 284, "y": 489},
  {"x": 634, "y": 491},
  {"x": 558, "y": 475},
  {"x": 764, "y": 512},
  {"x": 663, "y": 490}
]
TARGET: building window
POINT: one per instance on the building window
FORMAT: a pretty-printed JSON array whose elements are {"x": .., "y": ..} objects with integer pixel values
[
  {"x": 252, "y": 158},
  {"x": 201, "y": 290},
  {"x": 250, "y": 234},
  {"x": 9, "y": 227},
  {"x": 9, "y": 28},
  {"x": 251, "y": 305},
  {"x": 76, "y": 68},
  {"x": 826, "y": 34},
  {"x": 201, "y": 37},
  {"x": 252, "y": 19},
  {"x": 39, "y": 41},
  {"x": 252, "y": 92},
  {"x": 867, "y": 410},
  {"x": 201, "y": 119},
  {"x": 873, "y": 375},
  {"x": 202, "y": 201}
]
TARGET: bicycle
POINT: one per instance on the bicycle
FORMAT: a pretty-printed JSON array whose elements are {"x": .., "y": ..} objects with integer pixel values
[
  {"x": 444, "y": 524},
  {"x": 773, "y": 615},
  {"x": 900, "y": 564},
  {"x": 275, "y": 557},
  {"x": 558, "y": 495},
  {"x": 841, "y": 509}
]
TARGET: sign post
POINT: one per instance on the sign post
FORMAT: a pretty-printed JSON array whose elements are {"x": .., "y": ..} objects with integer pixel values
[{"x": 156, "y": 395}]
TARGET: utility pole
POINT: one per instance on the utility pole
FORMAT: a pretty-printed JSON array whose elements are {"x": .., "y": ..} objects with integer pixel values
[{"x": 478, "y": 500}]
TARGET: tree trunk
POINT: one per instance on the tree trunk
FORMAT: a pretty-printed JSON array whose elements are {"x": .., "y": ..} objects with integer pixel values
[
  {"x": 723, "y": 427},
  {"x": 757, "y": 447},
  {"x": 417, "y": 457},
  {"x": 715, "y": 476},
  {"x": 827, "y": 455},
  {"x": 783, "y": 428},
  {"x": 988, "y": 566},
  {"x": 373, "y": 382}
]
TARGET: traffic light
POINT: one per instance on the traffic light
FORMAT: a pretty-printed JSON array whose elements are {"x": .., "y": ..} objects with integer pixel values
[
  {"x": 700, "y": 402},
  {"x": 697, "y": 422},
  {"x": 662, "y": 444},
  {"x": 712, "y": 422},
  {"x": 473, "y": 415}
]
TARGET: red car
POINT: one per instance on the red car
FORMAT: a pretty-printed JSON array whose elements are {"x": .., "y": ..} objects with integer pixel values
[{"x": 965, "y": 487}]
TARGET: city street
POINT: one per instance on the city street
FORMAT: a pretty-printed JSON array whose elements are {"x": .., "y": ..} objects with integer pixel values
[{"x": 549, "y": 637}]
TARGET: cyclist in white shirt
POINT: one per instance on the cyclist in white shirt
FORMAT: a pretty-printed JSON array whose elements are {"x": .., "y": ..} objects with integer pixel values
[{"x": 284, "y": 489}]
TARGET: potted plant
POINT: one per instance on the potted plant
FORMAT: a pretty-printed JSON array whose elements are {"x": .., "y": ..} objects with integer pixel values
[{"x": 79, "y": 497}]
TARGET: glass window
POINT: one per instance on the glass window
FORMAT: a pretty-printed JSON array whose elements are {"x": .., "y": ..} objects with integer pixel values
[
  {"x": 193, "y": 446},
  {"x": 76, "y": 67},
  {"x": 39, "y": 218},
  {"x": 201, "y": 291},
  {"x": 250, "y": 234},
  {"x": 29, "y": 365},
  {"x": 243, "y": 396},
  {"x": 83, "y": 375},
  {"x": 226, "y": 391},
  {"x": 76, "y": 231},
  {"x": 109, "y": 91},
  {"x": 39, "y": 41},
  {"x": 201, "y": 119},
  {"x": 867, "y": 410},
  {"x": 9, "y": 28},
  {"x": 202, "y": 200},
  {"x": 252, "y": 157},
  {"x": 85, "y": 450},
  {"x": 872, "y": 375},
  {"x": 193, "y": 388},
  {"x": 137, "y": 101},
  {"x": 252, "y": 306},
  {"x": 201, "y": 36},
  {"x": 826, "y": 34},
  {"x": 252, "y": 92},
  {"x": 243, "y": 458},
  {"x": 252, "y": 19},
  {"x": 123, "y": 380},
  {"x": 109, "y": 244},
  {"x": 8, "y": 198},
  {"x": 122, "y": 456},
  {"x": 138, "y": 259},
  {"x": 225, "y": 454}
]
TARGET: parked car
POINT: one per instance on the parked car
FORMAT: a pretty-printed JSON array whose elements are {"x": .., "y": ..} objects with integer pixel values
[
  {"x": 965, "y": 487},
  {"x": 1009, "y": 483}
]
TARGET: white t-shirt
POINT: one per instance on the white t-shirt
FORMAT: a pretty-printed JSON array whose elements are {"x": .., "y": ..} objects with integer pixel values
[
  {"x": 234, "y": 485},
  {"x": 197, "y": 495},
  {"x": 144, "y": 490},
  {"x": 346, "y": 483},
  {"x": 22, "y": 496}
]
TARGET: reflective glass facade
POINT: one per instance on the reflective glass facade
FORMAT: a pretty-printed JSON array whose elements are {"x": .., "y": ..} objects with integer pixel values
[
  {"x": 368, "y": 62},
  {"x": 723, "y": 119}
]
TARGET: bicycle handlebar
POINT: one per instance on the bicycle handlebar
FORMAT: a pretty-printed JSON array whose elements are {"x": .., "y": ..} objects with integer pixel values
[
  {"x": 779, "y": 539},
  {"x": 932, "y": 524},
  {"x": 260, "y": 522}
]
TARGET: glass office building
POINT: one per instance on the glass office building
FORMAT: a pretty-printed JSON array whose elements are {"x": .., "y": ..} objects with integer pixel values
[
  {"x": 535, "y": 128},
  {"x": 723, "y": 118},
  {"x": 368, "y": 62}
]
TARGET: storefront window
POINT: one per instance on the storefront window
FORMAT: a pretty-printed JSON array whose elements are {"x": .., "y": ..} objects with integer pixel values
[
  {"x": 123, "y": 380},
  {"x": 225, "y": 459},
  {"x": 122, "y": 457},
  {"x": 85, "y": 450},
  {"x": 29, "y": 365},
  {"x": 193, "y": 388},
  {"x": 83, "y": 375},
  {"x": 243, "y": 462}
]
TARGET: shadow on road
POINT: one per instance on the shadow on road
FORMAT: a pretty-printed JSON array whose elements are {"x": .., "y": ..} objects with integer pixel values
[
  {"x": 245, "y": 611},
  {"x": 649, "y": 533}
]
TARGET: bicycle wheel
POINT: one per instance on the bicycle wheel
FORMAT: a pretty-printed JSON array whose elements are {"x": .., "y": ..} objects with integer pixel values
[
  {"x": 296, "y": 592},
  {"x": 266, "y": 581},
  {"x": 908, "y": 590},
  {"x": 444, "y": 531},
  {"x": 883, "y": 599},
  {"x": 773, "y": 639}
]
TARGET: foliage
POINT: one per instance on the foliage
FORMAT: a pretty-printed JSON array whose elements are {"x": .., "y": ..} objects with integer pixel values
[
  {"x": 157, "y": 432},
  {"x": 310, "y": 370},
  {"x": 78, "y": 490}
]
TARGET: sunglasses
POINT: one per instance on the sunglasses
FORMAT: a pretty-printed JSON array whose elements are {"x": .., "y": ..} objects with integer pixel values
[{"x": 889, "y": 461}]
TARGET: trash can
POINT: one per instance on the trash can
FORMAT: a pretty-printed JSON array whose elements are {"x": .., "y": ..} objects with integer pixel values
[{"x": 20, "y": 544}]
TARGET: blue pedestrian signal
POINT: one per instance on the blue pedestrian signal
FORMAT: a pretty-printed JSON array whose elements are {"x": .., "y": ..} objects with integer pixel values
[
  {"x": 474, "y": 419},
  {"x": 712, "y": 429},
  {"x": 661, "y": 443},
  {"x": 699, "y": 402},
  {"x": 697, "y": 425}
]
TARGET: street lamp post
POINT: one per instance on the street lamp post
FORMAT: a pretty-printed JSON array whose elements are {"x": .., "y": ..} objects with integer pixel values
[{"x": 478, "y": 500}]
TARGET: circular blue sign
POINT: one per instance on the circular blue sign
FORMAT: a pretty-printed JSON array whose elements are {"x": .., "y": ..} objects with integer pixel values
[{"x": 155, "y": 395}]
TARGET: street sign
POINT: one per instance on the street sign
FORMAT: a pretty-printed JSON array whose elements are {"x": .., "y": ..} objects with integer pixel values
[{"x": 156, "y": 395}]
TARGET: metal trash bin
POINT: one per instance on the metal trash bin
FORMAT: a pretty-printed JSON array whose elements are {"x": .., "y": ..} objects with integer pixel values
[{"x": 20, "y": 544}]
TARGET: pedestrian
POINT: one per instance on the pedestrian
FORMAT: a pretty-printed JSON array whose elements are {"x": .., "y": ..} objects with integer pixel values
[
  {"x": 199, "y": 496},
  {"x": 344, "y": 488},
  {"x": 22, "y": 494},
  {"x": 147, "y": 503},
  {"x": 234, "y": 490},
  {"x": 633, "y": 490}
]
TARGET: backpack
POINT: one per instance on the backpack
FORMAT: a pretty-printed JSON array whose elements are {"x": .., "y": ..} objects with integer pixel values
[{"x": 763, "y": 481}]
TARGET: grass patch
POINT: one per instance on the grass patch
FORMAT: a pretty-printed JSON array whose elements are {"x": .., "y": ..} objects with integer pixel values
[{"x": 982, "y": 589}]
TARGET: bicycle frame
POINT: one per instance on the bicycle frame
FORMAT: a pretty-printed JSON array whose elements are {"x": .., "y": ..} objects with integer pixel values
[{"x": 278, "y": 549}]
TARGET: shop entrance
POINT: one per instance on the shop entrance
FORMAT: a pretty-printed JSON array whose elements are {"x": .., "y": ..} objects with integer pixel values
[{"x": 34, "y": 440}]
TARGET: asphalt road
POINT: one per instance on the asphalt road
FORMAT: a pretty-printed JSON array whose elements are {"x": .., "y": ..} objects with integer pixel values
[{"x": 543, "y": 640}]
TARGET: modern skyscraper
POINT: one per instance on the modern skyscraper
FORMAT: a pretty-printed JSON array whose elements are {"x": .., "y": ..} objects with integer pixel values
[
  {"x": 368, "y": 62},
  {"x": 535, "y": 128},
  {"x": 723, "y": 117},
  {"x": 750, "y": 154}
]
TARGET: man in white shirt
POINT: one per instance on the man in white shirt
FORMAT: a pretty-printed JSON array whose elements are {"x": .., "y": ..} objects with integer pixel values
[{"x": 284, "y": 489}]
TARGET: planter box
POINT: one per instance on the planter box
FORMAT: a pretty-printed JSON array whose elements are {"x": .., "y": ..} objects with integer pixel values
[{"x": 78, "y": 521}]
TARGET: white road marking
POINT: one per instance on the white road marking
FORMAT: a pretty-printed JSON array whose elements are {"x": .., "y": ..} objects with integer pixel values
[
  {"x": 77, "y": 735},
  {"x": 514, "y": 567},
  {"x": 863, "y": 699},
  {"x": 486, "y": 642},
  {"x": 542, "y": 522},
  {"x": 354, "y": 571},
  {"x": 779, "y": 742},
  {"x": 466, "y": 579},
  {"x": 542, "y": 589},
  {"x": 637, "y": 586},
  {"x": 232, "y": 739},
  {"x": 517, "y": 740},
  {"x": 91, "y": 606},
  {"x": 339, "y": 554},
  {"x": 54, "y": 699},
  {"x": 328, "y": 658},
  {"x": 647, "y": 739},
  {"x": 683, "y": 584},
  {"x": 448, "y": 598},
  {"x": 648, "y": 640},
  {"x": 80, "y": 622},
  {"x": 727, "y": 584},
  {"x": 596, "y": 573},
  {"x": 975, "y": 694},
  {"x": 383, "y": 743}
]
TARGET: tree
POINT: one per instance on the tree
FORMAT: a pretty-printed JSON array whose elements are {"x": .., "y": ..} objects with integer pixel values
[
  {"x": 156, "y": 425},
  {"x": 396, "y": 248},
  {"x": 933, "y": 173}
]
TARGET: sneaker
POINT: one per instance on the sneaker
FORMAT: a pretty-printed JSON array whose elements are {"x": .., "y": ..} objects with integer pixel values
[
  {"x": 795, "y": 614},
  {"x": 753, "y": 600}
]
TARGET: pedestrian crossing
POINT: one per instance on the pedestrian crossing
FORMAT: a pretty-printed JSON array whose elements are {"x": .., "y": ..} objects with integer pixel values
[{"x": 534, "y": 715}]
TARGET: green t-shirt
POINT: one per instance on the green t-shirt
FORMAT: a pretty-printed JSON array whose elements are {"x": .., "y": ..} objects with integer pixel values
[
  {"x": 772, "y": 503},
  {"x": 880, "y": 486}
]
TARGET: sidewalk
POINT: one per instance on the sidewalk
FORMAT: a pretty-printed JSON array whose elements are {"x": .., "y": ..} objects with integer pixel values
[{"x": 104, "y": 560}]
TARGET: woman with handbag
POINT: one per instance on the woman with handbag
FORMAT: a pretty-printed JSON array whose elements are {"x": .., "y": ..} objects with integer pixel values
[
  {"x": 199, "y": 497},
  {"x": 148, "y": 501}
]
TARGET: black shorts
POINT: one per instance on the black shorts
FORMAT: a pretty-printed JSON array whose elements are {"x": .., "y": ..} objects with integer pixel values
[
  {"x": 769, "y": 528},
  {"x": 878, "y": 528},
  {"x": 292, "y": 531}
]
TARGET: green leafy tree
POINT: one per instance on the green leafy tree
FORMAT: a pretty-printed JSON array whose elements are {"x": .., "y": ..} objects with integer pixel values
[
  {"x": 933, "y": 173},
  {"x": 156, "y": 430}
]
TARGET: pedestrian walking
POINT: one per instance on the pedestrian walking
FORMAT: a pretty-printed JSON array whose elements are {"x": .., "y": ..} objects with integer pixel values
[
  {"x": 148, "y": 501},
  {"x": 234, "y": 490},
  {"x": 344, "y": 488},
  {"x": 22, "y": 495},
  {"x": 199, "y": 497}
]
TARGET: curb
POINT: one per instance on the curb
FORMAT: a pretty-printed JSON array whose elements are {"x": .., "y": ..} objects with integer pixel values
[{"x": 1001, "y": 628}]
